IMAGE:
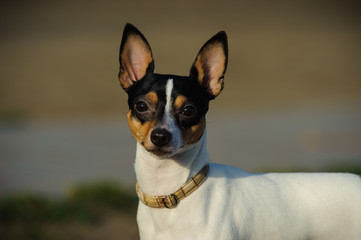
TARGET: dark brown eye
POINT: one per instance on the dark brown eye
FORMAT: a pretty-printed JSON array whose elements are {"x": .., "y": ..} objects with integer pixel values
[
  {"x": 189, "y": 111},
  {"x": 141, "y": 106}
]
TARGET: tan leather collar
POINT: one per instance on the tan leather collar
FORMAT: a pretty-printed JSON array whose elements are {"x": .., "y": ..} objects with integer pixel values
[{"x": 172, "y": 200}]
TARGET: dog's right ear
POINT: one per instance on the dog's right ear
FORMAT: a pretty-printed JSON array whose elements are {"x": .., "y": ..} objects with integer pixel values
[{"x": 135, "y": 57}]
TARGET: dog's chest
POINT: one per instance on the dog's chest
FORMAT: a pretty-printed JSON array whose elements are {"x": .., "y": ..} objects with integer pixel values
[
  {"x": 186, "y": 221},
  {"x": 199, "y": 216}
]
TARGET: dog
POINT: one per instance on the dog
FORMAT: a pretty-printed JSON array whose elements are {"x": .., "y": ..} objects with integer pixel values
[{"x": 184, "y": 196}]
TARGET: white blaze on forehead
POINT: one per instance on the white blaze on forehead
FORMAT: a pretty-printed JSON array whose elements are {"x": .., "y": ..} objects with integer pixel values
[
  {"x": 168, "y": 119},
  {"x": 168, "y": 92}
]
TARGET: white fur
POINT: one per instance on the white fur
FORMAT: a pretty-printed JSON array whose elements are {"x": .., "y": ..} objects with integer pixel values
[
  {"x": 234, "y": 204},
  {"x": 168, "y": 122},
  {"x": 168, "y": 94}
]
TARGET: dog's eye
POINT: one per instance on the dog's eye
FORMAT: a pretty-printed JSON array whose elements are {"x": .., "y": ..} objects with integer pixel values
[
  {"x": 141, "y": 106},
  {"x": 189, "y": 111}
]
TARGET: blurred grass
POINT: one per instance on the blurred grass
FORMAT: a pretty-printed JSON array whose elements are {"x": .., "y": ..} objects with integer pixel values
[
  {"x": 356, "y": 169},
  {"x": 88, "y": 205},
  {"x": 13, "y": 117}
]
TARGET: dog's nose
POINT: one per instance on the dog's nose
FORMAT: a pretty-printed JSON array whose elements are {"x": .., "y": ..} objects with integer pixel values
[{"x": 160, "y": 137}]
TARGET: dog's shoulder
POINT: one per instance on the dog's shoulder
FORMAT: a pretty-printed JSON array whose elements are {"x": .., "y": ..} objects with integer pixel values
[
  {"x": 221, "y": 171},
  {"x": 284, "y": 185}
]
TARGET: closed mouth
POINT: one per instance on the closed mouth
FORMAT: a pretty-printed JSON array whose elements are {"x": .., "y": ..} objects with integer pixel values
[
  {"x": 161, "y": 152},
  {"x": 166, "y": 151}
]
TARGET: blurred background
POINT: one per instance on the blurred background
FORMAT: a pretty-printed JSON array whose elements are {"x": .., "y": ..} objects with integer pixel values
[{"x": 291, "y": 102}]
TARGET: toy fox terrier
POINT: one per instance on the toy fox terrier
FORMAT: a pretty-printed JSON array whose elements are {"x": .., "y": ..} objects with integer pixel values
[{"x": 183, "y": 196}]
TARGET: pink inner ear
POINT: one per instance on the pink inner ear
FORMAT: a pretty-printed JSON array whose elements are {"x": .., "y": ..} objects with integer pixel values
[
  {"x": 214, "y": 63},
  {"x": 138, "y": 60},
  {"x": 136, "y": 57}
]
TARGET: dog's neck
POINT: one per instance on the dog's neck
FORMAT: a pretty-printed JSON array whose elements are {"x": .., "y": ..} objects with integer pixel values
[{"x": 160, "y": 176}]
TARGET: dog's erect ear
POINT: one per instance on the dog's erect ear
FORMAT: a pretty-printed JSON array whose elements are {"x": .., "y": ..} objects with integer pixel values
[
  {"x": 211, "y": 63},
  {"x": 135, "y": 57}
]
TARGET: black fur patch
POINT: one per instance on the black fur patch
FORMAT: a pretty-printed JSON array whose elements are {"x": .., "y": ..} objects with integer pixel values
[{"x": 188, "y": 87}]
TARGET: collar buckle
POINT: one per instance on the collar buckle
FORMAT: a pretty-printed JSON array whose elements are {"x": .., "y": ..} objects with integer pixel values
[{"x": 170, "y": 201}]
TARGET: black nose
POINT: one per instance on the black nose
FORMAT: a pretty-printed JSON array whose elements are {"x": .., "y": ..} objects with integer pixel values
[{"x": 160, "y": 137}]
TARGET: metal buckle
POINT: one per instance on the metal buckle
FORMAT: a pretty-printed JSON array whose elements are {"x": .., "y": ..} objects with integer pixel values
[{"x": 172, "y": 198}]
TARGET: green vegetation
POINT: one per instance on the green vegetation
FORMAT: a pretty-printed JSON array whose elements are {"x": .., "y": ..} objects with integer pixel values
[
  {"x": 356, "y": 169},
  {"x": 12, "y": 117},
  {"x": 25, "y": 216},
  {"x": 85, "y": 203}
]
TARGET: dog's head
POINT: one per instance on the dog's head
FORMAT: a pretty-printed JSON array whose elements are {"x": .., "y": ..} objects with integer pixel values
[{"x": 167, "y": 112}]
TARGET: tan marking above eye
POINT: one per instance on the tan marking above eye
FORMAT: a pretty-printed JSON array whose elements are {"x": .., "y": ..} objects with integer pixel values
[
  {"x": 152, "y": 98},
  {"x": 179, "y": 102}
]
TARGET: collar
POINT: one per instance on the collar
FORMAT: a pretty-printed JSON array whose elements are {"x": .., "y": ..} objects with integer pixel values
[{"x": 171, "y": 200}]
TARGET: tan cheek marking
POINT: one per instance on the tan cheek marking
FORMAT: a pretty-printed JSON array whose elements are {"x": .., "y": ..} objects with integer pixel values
[
  {"x": 193, "y": 134},
  {"x": 146, "y": 130},
  {"x": 141, "y": 131},
  {"x": 134, "y": 126},
  {"x": 152, "y": 98},
  {"x": 179, "y": 101}
]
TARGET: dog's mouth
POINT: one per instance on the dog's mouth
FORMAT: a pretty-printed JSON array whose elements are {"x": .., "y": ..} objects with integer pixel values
[
  {"x": 164, "y": 151},
  {"x": 161, "y": 152}
]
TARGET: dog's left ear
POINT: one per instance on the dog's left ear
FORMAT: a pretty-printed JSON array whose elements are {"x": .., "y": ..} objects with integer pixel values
[
  {"x": 135, "y": 57},
  {"x": 211, "y": 64}
]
